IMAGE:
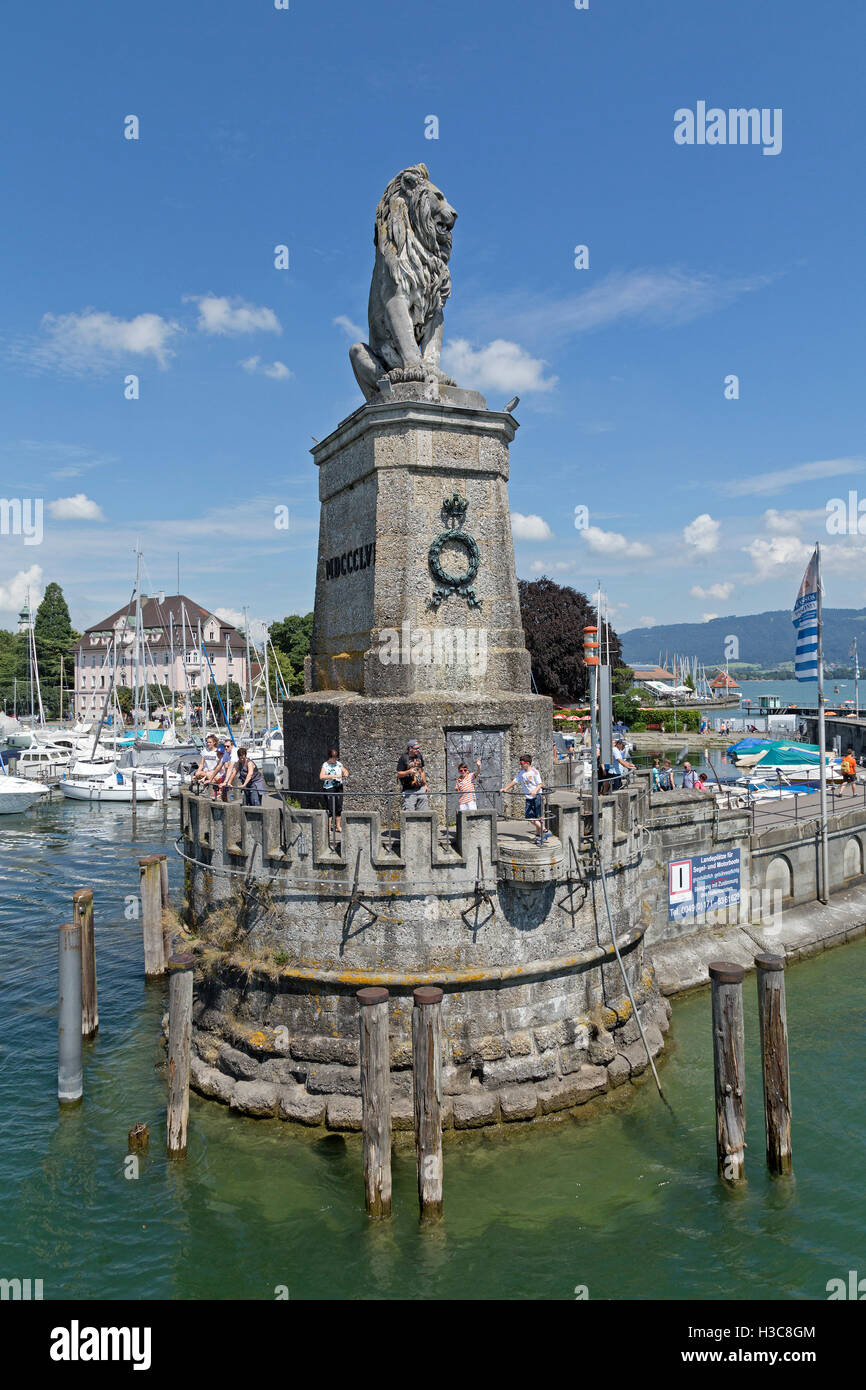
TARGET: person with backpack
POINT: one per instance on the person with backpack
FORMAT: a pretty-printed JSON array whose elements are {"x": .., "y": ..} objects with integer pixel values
[{"x": 849, "y": 770}]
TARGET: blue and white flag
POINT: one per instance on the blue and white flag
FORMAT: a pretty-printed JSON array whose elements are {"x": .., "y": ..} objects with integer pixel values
[{"x": 806, "y": 624}]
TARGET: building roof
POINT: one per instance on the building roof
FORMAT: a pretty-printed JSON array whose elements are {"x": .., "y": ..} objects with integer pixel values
[
  {"x": 651, "y": 673},
  {"x": 157, "y": 614},
  {"x": 723, "y": 681}
]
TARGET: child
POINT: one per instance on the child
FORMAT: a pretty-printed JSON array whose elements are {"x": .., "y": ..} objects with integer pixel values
[
  {"x": 528, "y": 779},
  {"x": 465, "y": 785}
]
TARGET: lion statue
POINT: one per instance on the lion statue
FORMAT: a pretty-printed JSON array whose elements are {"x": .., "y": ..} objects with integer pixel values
[{"x": 411, "y": 282}]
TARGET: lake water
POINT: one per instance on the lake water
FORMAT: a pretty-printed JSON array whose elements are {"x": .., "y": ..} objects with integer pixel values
[
  {"x": 802, "y": 692},
  {"x": 625, "y": 1202}
]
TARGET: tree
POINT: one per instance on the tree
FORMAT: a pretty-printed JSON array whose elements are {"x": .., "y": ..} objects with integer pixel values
[
  {"x": 53, "y": 633},
  {"x": 553, "y": 620},
  {"x": 291, "y": 638}
]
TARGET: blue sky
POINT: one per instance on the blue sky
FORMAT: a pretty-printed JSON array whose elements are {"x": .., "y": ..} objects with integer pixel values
[{"x": 261, "y": 127}]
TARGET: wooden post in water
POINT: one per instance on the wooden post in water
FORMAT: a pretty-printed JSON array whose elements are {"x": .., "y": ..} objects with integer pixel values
[
  {"x": 376, "y": 1099},
  {"x": 70, "y": 1085},
  {"x": 166, "y": 902},
  {"x": 180, "y": 980},
  {"x": 151, "y": 917},
  {"x": 82, "y": 909},
  {"x": 163, "y": 879},
  {"x": 729, "y": 1068},
  {"x": 427, "y": 1087},
  {"x": 772, "y": 1014}
]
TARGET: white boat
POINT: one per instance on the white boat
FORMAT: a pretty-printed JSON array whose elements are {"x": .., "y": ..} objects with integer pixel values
[
  {"x": 18, "y": 793},
  {"x": 109, "y": 789},
  {"x": 44, "y": 762}
]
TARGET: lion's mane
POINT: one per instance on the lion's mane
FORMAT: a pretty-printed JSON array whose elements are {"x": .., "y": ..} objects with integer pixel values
[{"x": 406, "y": 235}]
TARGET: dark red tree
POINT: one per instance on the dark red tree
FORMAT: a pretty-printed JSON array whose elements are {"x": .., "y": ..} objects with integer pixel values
[{"x": 554, "y": 617}]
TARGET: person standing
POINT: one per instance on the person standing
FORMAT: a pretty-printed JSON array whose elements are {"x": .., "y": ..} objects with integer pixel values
[
  {"x": 465, "y": 785},
  {"x": 690, "y": 777},
  {"x": 249, "y": 778},
  {"x": 656, "y": 775},
  {"x": 623, "y": 767},
  {"x": 208, "y": 762},
  {"x": 332, "y": 777},
  {"x": 666, "y": 777},
  {"x": 849, "y": 770},
  {"x": 528, "y": 779},
  {"x": 412, "y": 778}
]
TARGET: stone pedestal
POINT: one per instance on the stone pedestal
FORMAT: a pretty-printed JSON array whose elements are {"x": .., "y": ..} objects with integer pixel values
[{"x": 417, "y": 630}]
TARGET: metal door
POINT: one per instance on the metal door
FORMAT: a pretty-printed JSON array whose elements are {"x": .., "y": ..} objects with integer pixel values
[{"x": 466, "y": 746}]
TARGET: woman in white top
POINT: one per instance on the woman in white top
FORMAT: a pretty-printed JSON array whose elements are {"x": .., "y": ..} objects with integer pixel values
[
  {"x": 210, "y": 758},
  {"x": 332, "y": 777}
]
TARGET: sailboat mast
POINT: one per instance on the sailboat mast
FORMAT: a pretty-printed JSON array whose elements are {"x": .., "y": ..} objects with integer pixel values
[
  {"x": 249, "y": 676},
  {"x": 171, "y": 651}
]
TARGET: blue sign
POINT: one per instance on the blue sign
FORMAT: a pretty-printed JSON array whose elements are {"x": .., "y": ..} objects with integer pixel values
[{"x": 703, "y": 884}]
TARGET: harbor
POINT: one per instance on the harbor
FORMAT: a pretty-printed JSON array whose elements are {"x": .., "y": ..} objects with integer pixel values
[
  {"x": 432, "y": 735},
  {"x": 531, "y": 1212}
]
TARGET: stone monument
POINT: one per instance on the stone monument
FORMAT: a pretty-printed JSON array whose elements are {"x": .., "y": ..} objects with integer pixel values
[
  {"x": 417, "y": 635},
  {"x": 417, "y": 630}
]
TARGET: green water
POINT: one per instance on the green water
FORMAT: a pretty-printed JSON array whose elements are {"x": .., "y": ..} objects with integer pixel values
[{"x": 624, "y": 1201}]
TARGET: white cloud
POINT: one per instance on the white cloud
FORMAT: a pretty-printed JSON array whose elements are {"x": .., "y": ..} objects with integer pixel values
[
  {"x": 354, "y": 330},
  {"x": 708, "y": 617},
  {"x": 780, "y": 552},
  {"x": 702, "y": 534},
  {"x": 647, "y": 622},
  {"x": 501, "y": 366},
  {"x": 612, "y": 543},
  {"x": 77, "y": 508},
  {"x": 228, "y": 317},
  {"x": 666, "y": 297},
  {"x": 530, "y": 528},
  {"x": 94, "y": 341},
  {"x": 13, "y": 594},
  {"x": 546, "y": 567},
  {"x": 235, "y": 618},
  {"x": 712, "y": 590},
  {"x": 782, "y": 478},
  {"x": 791, "y": 522},
  {"x": 277, "y": 371}
]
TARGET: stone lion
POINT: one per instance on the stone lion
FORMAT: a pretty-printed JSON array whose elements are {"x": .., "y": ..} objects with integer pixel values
[{"x": 411, "y": 282}]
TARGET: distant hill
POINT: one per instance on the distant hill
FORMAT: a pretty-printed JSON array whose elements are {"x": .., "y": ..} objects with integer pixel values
[{"x": 765, "y": 639}]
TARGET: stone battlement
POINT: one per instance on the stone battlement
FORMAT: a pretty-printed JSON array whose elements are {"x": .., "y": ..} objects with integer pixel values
[{"x": 293, "y": 842}]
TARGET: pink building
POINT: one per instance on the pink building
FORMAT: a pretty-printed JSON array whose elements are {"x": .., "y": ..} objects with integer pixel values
[{"x": 171, "y": 621}]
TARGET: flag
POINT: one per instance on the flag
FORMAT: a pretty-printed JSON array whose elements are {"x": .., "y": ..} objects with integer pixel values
[
  {"x": 805, "y": 617},
  {"x": 853, "y": 652}
]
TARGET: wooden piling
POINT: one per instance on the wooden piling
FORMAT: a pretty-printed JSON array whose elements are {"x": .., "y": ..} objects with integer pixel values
[
  {"x": 151, "y": 917},
  {"x": 82, "y": 910},
  {"x": 427, "y": 1087},
  {"x": 70, "y": 1085},
  {"x": 139, "y": 1137},
  {"x": 729, "y": 1069},
  {"x": 772, "y": 1015},
  {"x": 180, "y": 981},
  {"x": 375, "y": 1099},
  {"x": 166, "y": 903}
]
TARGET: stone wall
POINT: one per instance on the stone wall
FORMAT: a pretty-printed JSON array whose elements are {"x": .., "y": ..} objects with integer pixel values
[{"x": 536, "y": 1016}]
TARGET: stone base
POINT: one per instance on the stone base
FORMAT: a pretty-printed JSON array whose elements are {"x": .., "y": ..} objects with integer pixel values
[{"x": 519, "y": 1074}]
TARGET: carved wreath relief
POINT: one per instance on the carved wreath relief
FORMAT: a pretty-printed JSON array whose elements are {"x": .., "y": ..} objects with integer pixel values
[{"x": 454, "y": 511}]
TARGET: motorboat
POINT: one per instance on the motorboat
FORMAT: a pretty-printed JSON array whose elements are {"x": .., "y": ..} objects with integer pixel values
[
  {"x": 18, "y": 793},
  {"x": 42, "y": 761},
  {"x": 771, "y": 758}
]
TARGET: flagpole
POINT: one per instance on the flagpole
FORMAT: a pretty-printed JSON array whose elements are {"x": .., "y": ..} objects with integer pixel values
[{"x": 824, "y": 894}]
